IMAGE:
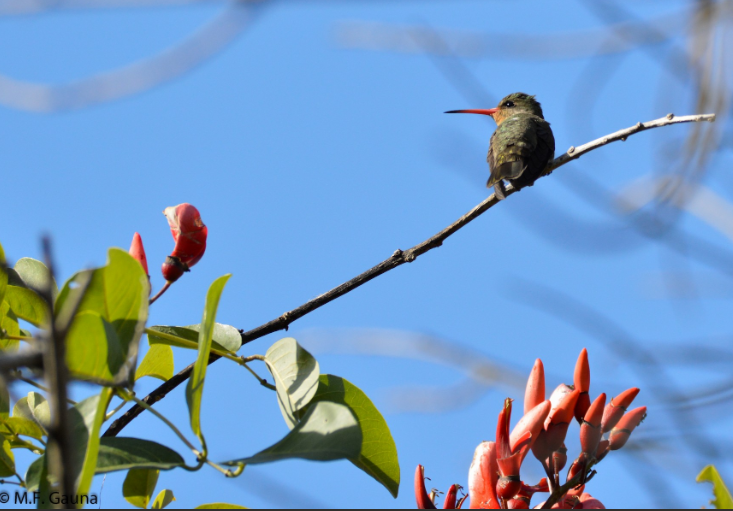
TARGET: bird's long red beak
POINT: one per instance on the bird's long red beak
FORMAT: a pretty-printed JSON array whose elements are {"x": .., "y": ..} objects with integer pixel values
[{"x": 490, "y": 112}]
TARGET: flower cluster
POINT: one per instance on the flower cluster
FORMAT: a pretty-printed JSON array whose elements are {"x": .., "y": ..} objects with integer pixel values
[
  {"x": 189, "y": 234},
  {"x": 494, "y": 480}
]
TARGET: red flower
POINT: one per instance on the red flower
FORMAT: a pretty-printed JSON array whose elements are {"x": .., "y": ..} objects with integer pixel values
[
  {"x": 421, "y": 494},
  {"x": 189, "y": 233},
  {"x": 483, "y": 476}
]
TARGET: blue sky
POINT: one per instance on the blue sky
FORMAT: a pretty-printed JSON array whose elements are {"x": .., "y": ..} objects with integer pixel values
[{"x": 311, "y": 162}]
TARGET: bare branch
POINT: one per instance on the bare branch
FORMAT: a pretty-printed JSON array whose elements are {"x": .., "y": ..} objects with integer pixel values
[
  {"x": 60, "y": 447},
  {"x": 398, "y": 259}
]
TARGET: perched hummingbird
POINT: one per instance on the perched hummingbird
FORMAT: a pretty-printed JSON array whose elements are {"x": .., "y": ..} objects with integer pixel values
[{"x": 522, "y": 145}]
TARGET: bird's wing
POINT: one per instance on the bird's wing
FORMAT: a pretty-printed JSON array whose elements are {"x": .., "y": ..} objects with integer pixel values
[
  {"x": 544, "y": 152},
  {"x": 512, "y": 146}
]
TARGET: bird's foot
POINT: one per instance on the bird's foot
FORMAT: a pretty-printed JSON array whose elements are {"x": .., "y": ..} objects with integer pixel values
[{"x": 500, "y": 190}]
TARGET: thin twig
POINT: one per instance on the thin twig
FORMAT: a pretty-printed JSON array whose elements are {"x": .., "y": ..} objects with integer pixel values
[
  {"x": 398, "y": 259},
  {"x": 60, "y": 441},
  {"x": 40, "y": 387}
]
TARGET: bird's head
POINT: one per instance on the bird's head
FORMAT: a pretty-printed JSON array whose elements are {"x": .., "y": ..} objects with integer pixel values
[{"x": 513, "y": 104}]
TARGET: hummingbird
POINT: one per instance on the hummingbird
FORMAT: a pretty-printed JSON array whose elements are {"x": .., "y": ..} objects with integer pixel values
[{"x": 522, "y": 146}]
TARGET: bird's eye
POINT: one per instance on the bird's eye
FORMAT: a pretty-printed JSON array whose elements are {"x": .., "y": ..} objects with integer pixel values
[{"x": 509, "y": 104}]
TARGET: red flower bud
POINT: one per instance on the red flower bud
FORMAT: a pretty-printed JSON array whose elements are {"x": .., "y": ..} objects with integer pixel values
[
  {"x": 138, "y": 252},
  {"x": 532, "y": 422},
  {"x": 483, "y": 476},
  {"x": 556, "y": 426},
  {"x": 451, "y": 497},
  {"x": 628, "y": 423},
  {"x": 590, "y": 429},
  {"x": 535, "y": 393},
  {"x": 189, "y": 233},
  {"x": 421, "y": 494},
  {"x": 581, "y": 380},
  {"x": 559, "y": 459},
  {"x": 616, "y": 409}
]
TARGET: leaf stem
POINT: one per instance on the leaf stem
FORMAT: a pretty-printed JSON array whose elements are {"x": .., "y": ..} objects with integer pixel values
[
  {"x": 114, "y": 412},
  {"x": 40, "y": 387},
  {"x": 161, "y": 292},
  {"x": 131, "y": 397}
]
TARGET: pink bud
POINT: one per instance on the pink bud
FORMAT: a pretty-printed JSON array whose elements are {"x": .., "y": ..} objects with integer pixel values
[{"x": 138, "y": 252}]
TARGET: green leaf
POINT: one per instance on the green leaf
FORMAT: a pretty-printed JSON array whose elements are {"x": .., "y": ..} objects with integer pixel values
[
  {"x": 102, "y": 343},
  {"x": 723, "y": 499},
  {"x": 220, "y": 505},
  {"x": 3, "y": 275},
  {"x": 139, "y": 486},
  {"x": 7, "y": 460},
  {"x": 327, "y": 432},
  {"x": 100, "y": 356},
  {"x": 296, "y": 377},
  {"x": 8, "y": 323},
  {"x": 35, "y": 275},
  {"x": 158, "y": 363},
  {"x": 28, "y": 305},
  {"x": 33, "y": 474},
  {"x": 378, "y": 456},
  {"x": 39, "y": 409},
  {"x": 225, "y": 338},
  {"x": 21, "y": 426},
  {"x": 86, "y": 420},
  {"x": 117, "y": 454},
  {"x": 164, "y": 498},
  {"x": 195, "y": 387}
]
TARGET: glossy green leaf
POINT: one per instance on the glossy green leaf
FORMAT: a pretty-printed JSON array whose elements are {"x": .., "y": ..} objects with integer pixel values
[
  {"x": 3, "y": 275},
  {"x": 28, "y": 305},
  {"x": 296, "y": 377},
  {"x": 327, "y": 432},
  {"x": 158, "y": 363},
  {"x": 103, "y": 341},
  {"x": 723, "y": 499},
  {"x": 225, "y": 337},
  {"x": 117, "y": 454},
  {"x": 35, "y": 275},
  {"x": 378, "y": 456},
  {"x": 164, "y": 498},
  {"x": 220, "y": 505},
  {"x": 21, "y": 426},
  {"x": 39, "y": 409},
  {"x": 139, "y": 486},
  {"x": 86, "y": 420},
  {"x": 195, "y": 387},
  {"x": 9, "y": 324},
  {"x": 7, "y": 459}
]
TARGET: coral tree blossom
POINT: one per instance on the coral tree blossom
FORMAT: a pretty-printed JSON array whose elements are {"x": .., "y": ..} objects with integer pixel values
[{"x": 494, "y": 479}]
